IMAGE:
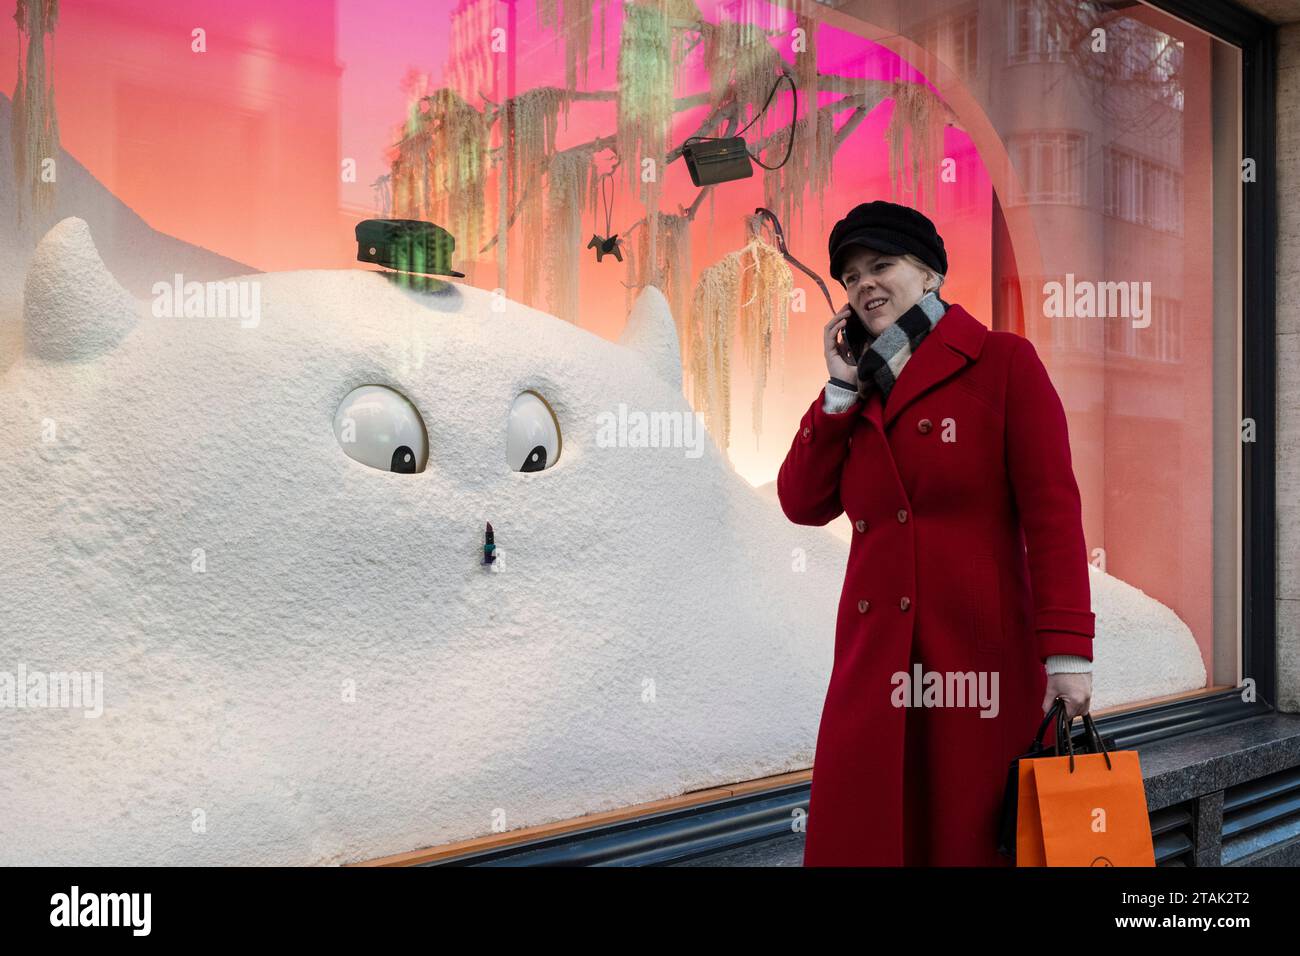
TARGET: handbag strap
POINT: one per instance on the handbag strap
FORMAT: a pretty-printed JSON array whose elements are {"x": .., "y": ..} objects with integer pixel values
[
  {"x": 1099, "y": 745},
  {"x": 1062, "y": 731},
  {"x": 1063, "y": 727},
  {"x": 1052, "y": 712}
]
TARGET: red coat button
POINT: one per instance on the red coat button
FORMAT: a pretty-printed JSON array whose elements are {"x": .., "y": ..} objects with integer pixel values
[
  {"x": 904, "y": 604},
  {"x": 902, "y": 515},
  {"x": 860, "y": 525},
  {"x": 864, "y": 605},
  {"x": 923, "y": 426},
  {"x": 807, "y": 432}
]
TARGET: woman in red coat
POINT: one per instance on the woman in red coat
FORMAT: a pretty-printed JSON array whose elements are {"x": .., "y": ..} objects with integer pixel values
[{"x": 967, "y": 581}]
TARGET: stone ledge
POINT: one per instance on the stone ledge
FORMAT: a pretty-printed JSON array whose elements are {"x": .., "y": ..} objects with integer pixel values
[{"x": 1207, "y": 761}]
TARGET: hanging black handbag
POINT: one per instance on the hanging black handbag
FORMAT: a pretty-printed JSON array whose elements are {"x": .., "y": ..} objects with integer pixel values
[
  {"x": 1088, "y": 740},
  {"x": 716, "y": 160}
]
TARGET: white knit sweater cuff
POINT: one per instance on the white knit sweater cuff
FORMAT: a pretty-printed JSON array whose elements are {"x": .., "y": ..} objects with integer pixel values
[
  {"x": 838, "y": 399},
  {"x": 1068, "y": 664}
]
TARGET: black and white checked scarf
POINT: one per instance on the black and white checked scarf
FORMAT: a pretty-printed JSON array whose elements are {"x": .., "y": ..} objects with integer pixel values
[{"x": 883, "y": 360}]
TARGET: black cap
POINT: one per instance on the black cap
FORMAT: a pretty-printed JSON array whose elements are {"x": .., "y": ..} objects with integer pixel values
[{"x": 890, "y": 228}]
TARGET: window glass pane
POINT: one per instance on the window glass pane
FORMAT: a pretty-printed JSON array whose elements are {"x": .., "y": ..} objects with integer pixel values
[{"x": 257, "y": 144}]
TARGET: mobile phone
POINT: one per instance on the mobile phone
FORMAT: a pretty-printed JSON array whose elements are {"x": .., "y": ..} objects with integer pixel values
[{"x": 854, "y": 336}]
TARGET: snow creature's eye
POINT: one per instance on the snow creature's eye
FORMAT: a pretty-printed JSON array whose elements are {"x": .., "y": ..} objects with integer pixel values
[
  {"x": 533, "y": 439},
  {"x": 380, "y": 428}
]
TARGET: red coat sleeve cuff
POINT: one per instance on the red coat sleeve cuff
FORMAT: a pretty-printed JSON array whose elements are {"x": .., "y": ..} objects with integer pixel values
[
  {"x": 1063, "y": 642},
  {"x": 1070, "y": 619},
  {"x": 1064, "y": 630}
]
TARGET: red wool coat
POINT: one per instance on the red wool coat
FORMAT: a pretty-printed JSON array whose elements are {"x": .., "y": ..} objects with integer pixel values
[{"x": 965, "y": 467}]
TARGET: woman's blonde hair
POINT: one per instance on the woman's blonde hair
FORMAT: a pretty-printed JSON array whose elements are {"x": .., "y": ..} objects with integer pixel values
[{"x": 917, "y": 263}]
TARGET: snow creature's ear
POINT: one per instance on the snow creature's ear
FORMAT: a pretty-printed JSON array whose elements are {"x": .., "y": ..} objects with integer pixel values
[
  {"x": 651, "y": 332},
  {"x": 73, "y": 308}
]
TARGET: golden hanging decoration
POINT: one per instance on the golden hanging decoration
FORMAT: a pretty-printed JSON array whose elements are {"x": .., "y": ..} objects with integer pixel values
[
  {"x": 919, "y": 113},
  {"x": 645, "y": 89},
  {"x": 740, "y": 61},
  {"x": 646, "y": 54},
  {"x": 572, "y": 21},
  {"x": 809, "y": 169},
  {"x": 672, "y": 268},
  {"x": 746, "y": 293},
  {"x": 536, "y": 125},
  {"x": 469, "y": 58},
  {"x": 425, "y": 185},
  {"x": 570, "y": 178},
  {"x": 34, "y": 122}
]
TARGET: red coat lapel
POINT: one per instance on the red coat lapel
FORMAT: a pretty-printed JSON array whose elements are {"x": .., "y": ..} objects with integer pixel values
[{"x": 953, "y": 343}]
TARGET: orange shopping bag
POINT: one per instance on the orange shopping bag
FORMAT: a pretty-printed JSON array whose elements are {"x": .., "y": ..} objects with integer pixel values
[{"x": 1085, "y": 809}]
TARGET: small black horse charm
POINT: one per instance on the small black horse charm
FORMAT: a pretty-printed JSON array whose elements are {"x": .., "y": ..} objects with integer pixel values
[{"x": 606, "y": 247}]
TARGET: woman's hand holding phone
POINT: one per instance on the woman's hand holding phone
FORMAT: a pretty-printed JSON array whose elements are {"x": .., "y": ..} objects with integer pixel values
[{"x": 838, "y": 360}]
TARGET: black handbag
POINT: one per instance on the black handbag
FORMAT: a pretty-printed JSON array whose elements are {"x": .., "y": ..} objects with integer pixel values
[
  {"x": 716, "y": 160},
  {"x": 1088, "y": 740}
]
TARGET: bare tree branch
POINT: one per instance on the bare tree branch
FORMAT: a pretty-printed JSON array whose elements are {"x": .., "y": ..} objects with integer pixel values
[{"x": 860, "y": 100}]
